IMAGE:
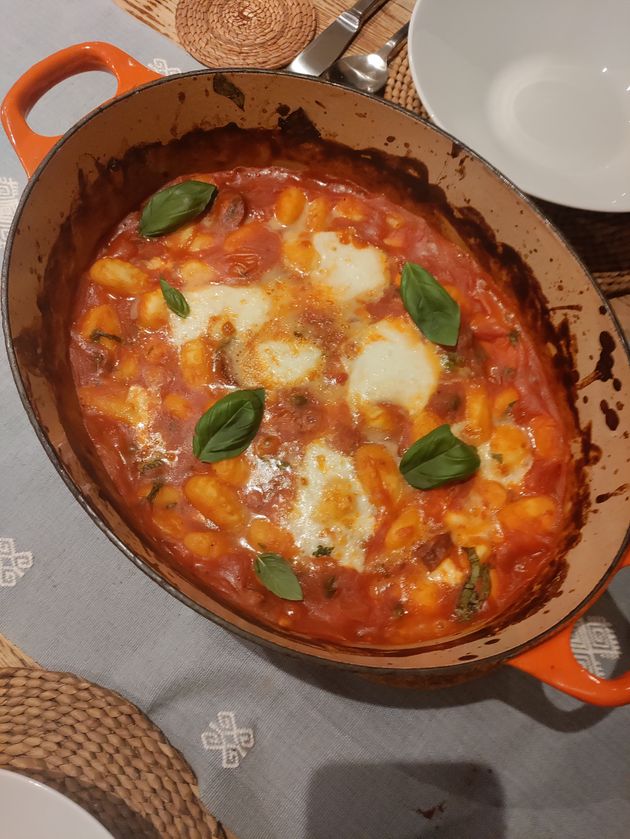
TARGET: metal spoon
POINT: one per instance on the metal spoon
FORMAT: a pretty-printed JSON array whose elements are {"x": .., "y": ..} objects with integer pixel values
[{"x": 367, "y": 72}]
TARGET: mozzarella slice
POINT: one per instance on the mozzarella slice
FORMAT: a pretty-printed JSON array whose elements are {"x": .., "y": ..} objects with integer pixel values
[
  {"x": 245, "y": 307},
  {"x": 275, "y": 362},
  {"x": 348, "y": 271},
  {"x": 331, "y": 507},
  {"x": 395, "y": 364}
]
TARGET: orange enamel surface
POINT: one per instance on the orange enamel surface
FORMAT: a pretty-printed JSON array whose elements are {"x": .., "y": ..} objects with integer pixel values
[
  {"x": 19, "y": 101},
  {"x": 554, "y": 663}
]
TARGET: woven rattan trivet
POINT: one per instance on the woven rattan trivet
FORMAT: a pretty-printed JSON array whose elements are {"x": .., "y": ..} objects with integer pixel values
[
  {"x": 99, "y": 750},
  {"x": 602, "y": 240},
  {"x": 245, "y": 33},
  {"x": 400, "y": 88}
]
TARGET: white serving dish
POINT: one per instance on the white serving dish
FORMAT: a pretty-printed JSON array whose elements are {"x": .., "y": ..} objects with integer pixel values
[
  {"x": 540, "y": 89},
  {"x": 30, "y": 810}
]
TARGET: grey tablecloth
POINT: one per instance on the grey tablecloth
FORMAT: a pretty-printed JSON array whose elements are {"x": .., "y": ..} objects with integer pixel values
[{"x": 281, "y": 749}]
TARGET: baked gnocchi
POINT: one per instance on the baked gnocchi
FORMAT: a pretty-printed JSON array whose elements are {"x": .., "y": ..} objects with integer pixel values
[{"x": 321, "y": 408}]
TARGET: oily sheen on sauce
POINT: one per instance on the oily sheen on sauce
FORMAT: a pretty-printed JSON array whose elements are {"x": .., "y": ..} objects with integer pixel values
[{"x": 290, "y": 285}]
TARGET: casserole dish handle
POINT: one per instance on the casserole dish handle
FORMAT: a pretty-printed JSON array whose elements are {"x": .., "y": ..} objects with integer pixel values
[
  {"x": 553, "y": 662},
  {"x": 32, "y": 147}
]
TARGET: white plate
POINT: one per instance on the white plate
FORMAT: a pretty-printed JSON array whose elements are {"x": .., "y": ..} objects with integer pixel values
[
  {"x": 540, "y": 88},
  {"x": 30, "y": 810}
]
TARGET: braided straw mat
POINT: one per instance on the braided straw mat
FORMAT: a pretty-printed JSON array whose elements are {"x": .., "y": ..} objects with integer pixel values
[
  {"x": 99, "y": 750},
  {"x": 245, "y": 33},
  {"x": 602, "y": 240}
]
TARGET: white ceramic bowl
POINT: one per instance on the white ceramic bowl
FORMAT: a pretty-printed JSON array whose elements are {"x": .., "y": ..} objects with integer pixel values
[
  {"x": 540, "y": 88},
  {"x": 30, "y": 810}
]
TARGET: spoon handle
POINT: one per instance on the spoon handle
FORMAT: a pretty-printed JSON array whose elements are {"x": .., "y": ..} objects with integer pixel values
[{"x": 392, "y": 46}]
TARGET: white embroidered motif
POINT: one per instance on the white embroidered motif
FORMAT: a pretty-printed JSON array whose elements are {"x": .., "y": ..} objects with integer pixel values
[
  {"x": 594, "y": 639},
  {"x": 160, "y": 66},
  {"x": 224, "y": 736},
  {"x": 9, "y": 194},
  {"x": 13, "y": 564}
]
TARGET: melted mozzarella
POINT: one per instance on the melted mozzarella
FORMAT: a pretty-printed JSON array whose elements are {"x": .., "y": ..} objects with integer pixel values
[
  {"x": 395, "y": 364},
  {"x": 447, "y": 573},
  {"x": 472, "y": 528},
  {"x": 349, "y": 272},
  {"x": 331, "y": 507},
  {"x": 149, "y": 443},
  {"x": 492, "y": 470},
  {"x": 274, "y": 363},
  {"x": 266, "y": 473},
  {"x": 510, "y": 465},
  {"x": 246, "y": 308},
  {"x": 139, "y": 400}
]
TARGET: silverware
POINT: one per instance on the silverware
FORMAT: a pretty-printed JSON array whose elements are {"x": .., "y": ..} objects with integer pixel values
[
  {"x": 368, "y": 72},
  {"x": 330, "y": 43}
]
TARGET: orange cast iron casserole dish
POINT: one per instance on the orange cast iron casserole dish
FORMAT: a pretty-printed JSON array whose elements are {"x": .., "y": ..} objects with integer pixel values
[{"x": 158, "y": 129}]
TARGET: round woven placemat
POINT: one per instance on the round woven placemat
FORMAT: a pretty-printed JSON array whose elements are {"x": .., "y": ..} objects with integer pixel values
[
  {"x": 245, "y": 33},
  {"x": 99, "y": 750},
  {"x": 602, "y": 240}
]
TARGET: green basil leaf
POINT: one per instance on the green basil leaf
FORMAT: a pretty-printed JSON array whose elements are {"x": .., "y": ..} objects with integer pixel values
[
  {"x": 229, "y": 426},
  {"x": 275, "y": 573},
  {"x": 172, "y": 207},
  {"x": 175, "y": 300},
  {"x": 432, "y": 309},
  {"x": 476, "y": 589},
  {"x": 438, "y": 458}
]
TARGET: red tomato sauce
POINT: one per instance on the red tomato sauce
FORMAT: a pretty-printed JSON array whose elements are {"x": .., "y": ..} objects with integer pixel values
[{"x": 142, "y": 394}]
